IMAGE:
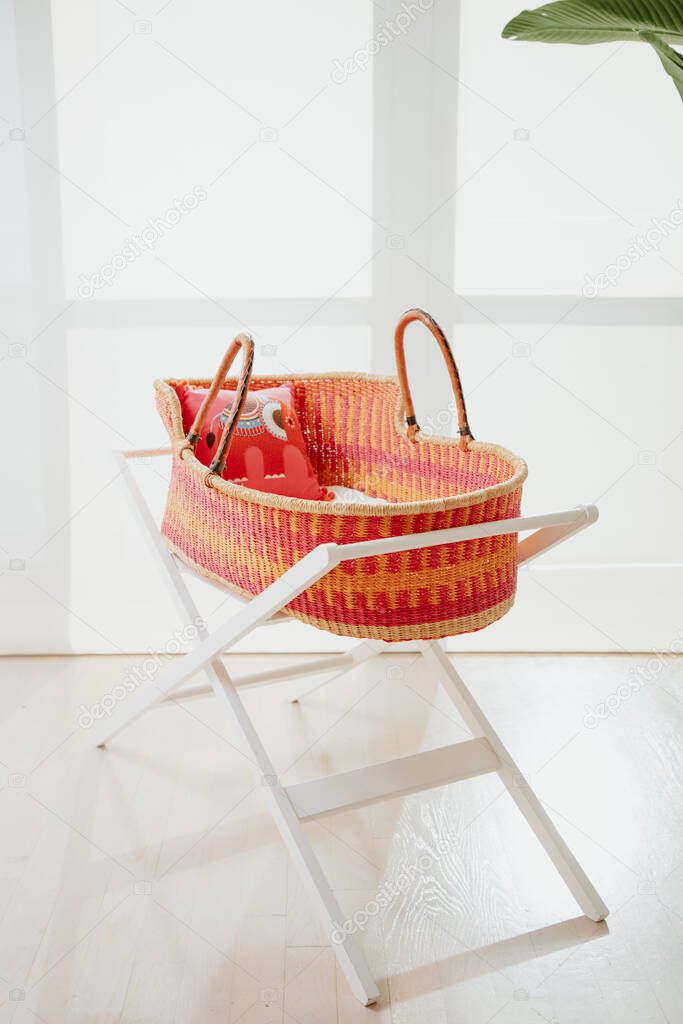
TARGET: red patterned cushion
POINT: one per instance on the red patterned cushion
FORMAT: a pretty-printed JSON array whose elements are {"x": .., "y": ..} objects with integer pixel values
[{"x": 267, "y": 451}]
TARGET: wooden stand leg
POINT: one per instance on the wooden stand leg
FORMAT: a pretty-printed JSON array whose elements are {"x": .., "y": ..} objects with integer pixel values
[
  {"x": 349, "y": 955},
  {"x": 517, "y": 786}
]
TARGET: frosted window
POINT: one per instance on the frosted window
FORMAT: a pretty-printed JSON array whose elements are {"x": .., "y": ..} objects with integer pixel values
[
  {"x": 242, "y": 110},
  {"x": 565, "y": 155}
]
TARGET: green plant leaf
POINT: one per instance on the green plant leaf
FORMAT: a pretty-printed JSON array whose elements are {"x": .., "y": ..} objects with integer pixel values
[
  {"x": 598, "y": 21},
  {"x": 657, "y": 22},
  {"x": 672, "y": 61}
]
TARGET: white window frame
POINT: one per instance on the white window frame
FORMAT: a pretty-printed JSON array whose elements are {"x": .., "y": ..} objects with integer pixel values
[{"x": 414, "y": 166}]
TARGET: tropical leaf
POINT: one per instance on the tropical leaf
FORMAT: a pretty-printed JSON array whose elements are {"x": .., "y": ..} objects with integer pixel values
[
  {"x": 672, "y": 61},
  {"x": 657, "y": 22},
  {"x": 598, "y": 21}
]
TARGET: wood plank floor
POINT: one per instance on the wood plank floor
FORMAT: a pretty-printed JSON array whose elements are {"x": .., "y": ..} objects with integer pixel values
[{"x": 146, "y": 883}]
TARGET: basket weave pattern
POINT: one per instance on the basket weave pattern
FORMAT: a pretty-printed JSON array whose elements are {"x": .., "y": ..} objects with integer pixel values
[{"x": 354, "y": 431}]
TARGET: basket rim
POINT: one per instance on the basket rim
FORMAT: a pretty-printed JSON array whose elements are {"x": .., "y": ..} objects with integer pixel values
[{"x": 166, "y": 388}]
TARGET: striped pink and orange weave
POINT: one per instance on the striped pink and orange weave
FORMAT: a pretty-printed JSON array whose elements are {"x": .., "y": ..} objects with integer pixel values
[{"x": 355, "y": 431}]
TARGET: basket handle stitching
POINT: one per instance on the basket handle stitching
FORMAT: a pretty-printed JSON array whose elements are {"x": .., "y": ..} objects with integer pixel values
[
  {"x": 411, "y": 421},
  {"x": 244, "y": 342}
]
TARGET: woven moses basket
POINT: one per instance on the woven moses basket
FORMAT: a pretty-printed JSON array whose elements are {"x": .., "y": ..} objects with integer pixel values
[{"x": 361, "y": 433}]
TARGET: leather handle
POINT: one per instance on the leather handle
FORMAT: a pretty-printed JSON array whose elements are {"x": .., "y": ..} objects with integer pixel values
[
  {"x": 246, "y": 344},
  {"x": 399, "y": 345}
]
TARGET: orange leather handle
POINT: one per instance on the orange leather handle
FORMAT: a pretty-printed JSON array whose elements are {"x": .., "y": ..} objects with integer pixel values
[
  {"x": 399, "y": 345},
  {"x": 246, "y": 344}
]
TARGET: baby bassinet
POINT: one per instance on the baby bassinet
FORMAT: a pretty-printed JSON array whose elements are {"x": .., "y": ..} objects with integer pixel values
[{"x": 361, "y": 432}]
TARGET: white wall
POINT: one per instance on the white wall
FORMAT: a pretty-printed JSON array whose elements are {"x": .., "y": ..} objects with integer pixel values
[{"x": 479, "y": 177}]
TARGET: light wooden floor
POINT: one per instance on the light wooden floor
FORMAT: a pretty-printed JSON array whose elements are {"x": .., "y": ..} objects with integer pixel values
[{"x": 146, "y": 883}]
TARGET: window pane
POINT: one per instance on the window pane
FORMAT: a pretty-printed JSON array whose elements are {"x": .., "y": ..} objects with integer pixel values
[
  {"x": 596, "y": 420},
  {"x": 566, "y": 154},
  {"x": 214, "y": 156}
]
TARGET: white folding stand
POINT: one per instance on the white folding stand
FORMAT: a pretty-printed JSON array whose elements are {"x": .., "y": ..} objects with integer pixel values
[{"x": 305, "y": 801}]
